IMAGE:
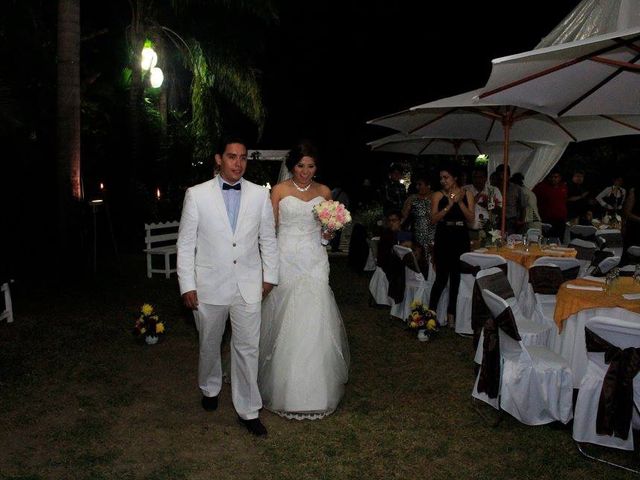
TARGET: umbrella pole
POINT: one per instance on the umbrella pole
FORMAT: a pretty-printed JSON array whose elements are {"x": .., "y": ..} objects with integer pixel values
[{"x": 506, "y": 125}]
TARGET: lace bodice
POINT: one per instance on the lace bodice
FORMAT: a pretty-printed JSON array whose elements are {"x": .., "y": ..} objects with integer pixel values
[
  {"x": 299, "y": 241},
  {"x": 296, "y": 216}
]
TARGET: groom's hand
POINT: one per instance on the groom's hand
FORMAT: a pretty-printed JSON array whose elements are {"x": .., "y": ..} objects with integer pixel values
[
  {"x": 266, "y": 288},
  {"x": 190, "y": 300}
]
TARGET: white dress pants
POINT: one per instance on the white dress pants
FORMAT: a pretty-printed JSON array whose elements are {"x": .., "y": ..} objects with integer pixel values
[{"x": 245, "y": 338}]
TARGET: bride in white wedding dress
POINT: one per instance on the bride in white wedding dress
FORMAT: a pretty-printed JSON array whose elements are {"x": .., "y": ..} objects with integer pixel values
[{"x": 304, "y": 355}]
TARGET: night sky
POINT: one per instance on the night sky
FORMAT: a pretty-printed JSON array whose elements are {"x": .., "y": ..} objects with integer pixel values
[{"x": 331, "y": 66}]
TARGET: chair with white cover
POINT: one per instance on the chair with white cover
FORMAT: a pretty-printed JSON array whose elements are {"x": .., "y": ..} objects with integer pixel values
[
  {"x": 417, "y": 288},
  {"x": 570, "y": 268},
  {"x": 514, "y": 238},
  {"x": 370, "y": 264},
  {"x": 633, "y": 254},
  {"x": 603, "y": 267},
  {"x": 534, "y": 234},
  {"x": 470, "y": 264},
  {"x": 612, "y": 241},
  {"x": 532, "y": 383},
  {"x": 585, "y": 252},
  {"x": 609, "y": 397},
  {"x": 545, "y": 281},
  {"x": 379, "y": 288},
  {"x": 495, "y": 280},
  {"x": 583, "y": 232}
]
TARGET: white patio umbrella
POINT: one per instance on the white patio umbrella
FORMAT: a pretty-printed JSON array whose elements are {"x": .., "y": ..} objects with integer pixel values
[
  {"x": 595, "y": 76},
  {"x": 418, "y": 145},
  {"x": 464, "y": 116}
]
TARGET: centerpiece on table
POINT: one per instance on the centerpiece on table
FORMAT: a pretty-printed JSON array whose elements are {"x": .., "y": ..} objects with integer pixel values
[
  {"x": 422, "y": 319},
  {"x": 148, "y": 327}
]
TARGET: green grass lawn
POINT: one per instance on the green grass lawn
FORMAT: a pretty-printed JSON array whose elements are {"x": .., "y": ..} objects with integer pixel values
[{"x": 79, "y": 399}]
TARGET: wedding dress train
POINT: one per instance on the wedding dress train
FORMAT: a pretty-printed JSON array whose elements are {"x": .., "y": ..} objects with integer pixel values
[{"x": 304, "y": 354}]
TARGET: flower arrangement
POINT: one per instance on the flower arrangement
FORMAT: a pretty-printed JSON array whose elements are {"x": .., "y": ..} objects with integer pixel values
[
  {"x": 332, "y": 215},
  {"x": 148, "y": 326},
  {"x": 422, "y": 319}
]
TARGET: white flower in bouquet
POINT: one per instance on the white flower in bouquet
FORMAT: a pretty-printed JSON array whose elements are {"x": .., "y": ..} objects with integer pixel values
[{"x": 332, "y": 215}]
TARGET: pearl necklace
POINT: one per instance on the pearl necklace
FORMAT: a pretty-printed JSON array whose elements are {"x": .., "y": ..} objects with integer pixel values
[{"x": 301, "y": 189}]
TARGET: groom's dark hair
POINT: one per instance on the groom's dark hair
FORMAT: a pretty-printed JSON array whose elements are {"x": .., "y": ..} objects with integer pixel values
[
  {"x": 304, "y": 148},
  {"x": 228, "y": 139}
]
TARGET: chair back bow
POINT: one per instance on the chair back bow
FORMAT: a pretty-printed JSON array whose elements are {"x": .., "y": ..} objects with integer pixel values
[
  {"x": 489, "y": 378},
  {"x": 546, "y": 279},
  {"x": 615, "y": 406}
]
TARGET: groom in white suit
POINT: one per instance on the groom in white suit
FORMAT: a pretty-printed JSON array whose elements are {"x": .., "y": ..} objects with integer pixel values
[{"x": 227, "y": 262}]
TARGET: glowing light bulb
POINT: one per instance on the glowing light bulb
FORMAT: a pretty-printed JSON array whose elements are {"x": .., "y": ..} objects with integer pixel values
[
  {"x": 157, "y": 77},
  {"x": 149, "y": 58}
]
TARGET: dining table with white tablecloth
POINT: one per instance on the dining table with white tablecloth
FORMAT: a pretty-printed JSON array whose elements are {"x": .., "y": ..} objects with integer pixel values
[{"x": 581, "y": 299}]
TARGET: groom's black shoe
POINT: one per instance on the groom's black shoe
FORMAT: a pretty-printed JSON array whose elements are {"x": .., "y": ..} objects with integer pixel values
[
  {"x": 254, "y": 426},
  {"x": 210, "y": 403}
]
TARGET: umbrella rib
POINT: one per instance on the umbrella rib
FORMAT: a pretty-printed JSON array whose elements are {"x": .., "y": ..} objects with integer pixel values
[
  {"x": 562, "y": 127},
  {"x": 617, "y": 63},
  {"x": 413, "y": 130},
  {"x": 620, "y": 122},
  {"x": 595, "y": 88},
  {"x": 426, "y": 146},
  {"x": 542, "y": 73}
]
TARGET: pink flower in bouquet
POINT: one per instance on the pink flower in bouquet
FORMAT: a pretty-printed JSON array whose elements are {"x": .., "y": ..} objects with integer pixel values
[{"x": 332, "y": 215}]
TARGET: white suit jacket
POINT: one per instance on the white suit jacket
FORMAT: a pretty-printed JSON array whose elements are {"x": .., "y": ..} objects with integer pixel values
[{"x": 212, "y": 259}]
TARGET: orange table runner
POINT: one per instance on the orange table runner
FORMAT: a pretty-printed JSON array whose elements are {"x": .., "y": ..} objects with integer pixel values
[
  {"x": 526, "y": 259},
  {"x": 570, "y": 301}
]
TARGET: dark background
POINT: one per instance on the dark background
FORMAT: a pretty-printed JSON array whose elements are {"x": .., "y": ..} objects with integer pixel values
[{"x": 325, "y": 68}]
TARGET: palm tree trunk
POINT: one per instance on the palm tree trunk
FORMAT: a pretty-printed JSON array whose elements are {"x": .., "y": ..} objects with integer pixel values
[
  {"x": 69, "y": 98},
  {"x": 68, "y": 123}
]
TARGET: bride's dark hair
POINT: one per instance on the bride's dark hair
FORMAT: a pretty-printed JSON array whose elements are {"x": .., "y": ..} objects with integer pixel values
[{"x": 304, "y": 148}]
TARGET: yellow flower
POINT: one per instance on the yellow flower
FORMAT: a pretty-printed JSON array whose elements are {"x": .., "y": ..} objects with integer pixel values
[
  {"x": 143, "y": 330},
  {"x": 431, "y": 324},
  {"x": 413, "y": 324},
  {"x": 154, "y": 317},
  {"x": 159, "y": 327},
  {"x": 415, "y": 303},
  {"x": 147, "y": 309}
]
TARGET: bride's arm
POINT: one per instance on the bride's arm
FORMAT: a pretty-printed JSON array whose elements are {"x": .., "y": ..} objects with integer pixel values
[
  {"x": 325, "y": 192},
  {"x": 276, "y": 195}
]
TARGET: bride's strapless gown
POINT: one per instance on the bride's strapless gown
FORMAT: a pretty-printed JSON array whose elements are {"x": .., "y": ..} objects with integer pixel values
[{"x": 304, "y": 354}]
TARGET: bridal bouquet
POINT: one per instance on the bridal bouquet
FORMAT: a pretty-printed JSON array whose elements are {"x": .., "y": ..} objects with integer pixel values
[
  {"x": 422, "y": 319},
  {"x": 148, "y": 326},
  {"x": 332, "y": 215}
]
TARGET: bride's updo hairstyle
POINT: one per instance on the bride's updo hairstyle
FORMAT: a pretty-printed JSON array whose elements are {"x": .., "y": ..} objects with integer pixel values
[{"x": 303, "y": 149}]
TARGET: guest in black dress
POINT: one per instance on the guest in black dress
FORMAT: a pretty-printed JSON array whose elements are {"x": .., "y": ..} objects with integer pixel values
[{"x": 452, "y": 208}]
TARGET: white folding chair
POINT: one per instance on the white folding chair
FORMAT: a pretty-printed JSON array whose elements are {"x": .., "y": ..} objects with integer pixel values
[
  {"x": 585, "y": 251},
  {"x": 7, "y": 312},
  {"x": 536, "y": 384},
  {"x": 495, "y": 280},
  {"x": 465, "y": 291},
  {"x": 612, "y": 241},
  {"x": 619, "y": 335}
]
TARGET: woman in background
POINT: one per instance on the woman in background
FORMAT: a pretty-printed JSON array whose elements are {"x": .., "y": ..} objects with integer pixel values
[{"x": 452, "y": 208}]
